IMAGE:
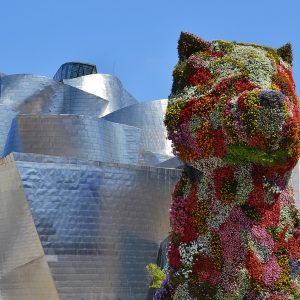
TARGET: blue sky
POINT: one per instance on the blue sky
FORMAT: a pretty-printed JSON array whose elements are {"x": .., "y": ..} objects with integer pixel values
[{"x": 135, "y": 40}]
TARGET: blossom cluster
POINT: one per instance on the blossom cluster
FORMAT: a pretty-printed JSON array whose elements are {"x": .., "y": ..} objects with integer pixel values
[{"x": 233, "y": 116}]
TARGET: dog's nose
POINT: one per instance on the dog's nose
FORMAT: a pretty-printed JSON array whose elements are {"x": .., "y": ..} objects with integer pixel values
[{"x": 271, "y": 99}]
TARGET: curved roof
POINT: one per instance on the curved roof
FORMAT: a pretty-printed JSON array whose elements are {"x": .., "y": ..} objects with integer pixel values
[
  {"x": 107, "y": 87},
  {"x": 32, "y": 94},
  {"x": 148, "y": 116}
]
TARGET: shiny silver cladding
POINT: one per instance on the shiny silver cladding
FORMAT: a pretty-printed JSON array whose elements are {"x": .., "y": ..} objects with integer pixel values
[
  {"x": 99, "y": 223},
  {"x": 30, "y": 94},
  {"x": 74, "y": 136},
  {"x": 105, "y": 86},
  {"x": 6, "y": 118},
  {"x": 24, "y": 272},
  {"x": 149, "y": 117}
]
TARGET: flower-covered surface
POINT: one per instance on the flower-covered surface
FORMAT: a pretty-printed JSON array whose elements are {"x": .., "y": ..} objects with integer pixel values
[{"x": 233, "y": 118}]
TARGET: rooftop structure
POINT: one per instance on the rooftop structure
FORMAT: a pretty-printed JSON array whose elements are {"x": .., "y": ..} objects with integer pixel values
[{"x": 71, "y": 70}]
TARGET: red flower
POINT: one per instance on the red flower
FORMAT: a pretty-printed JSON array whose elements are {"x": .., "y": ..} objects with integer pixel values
[
  {"x": 215, "y": 53},
  {"x": 199, "y": 76},
  {"x": 219, "y": 143},
  {"x": 221, "y": 87},
  {"x": 277, "y": 297},
  {"x": 271, "y": 216},
  {"x": 243, "y": 84},
  {"x": 258, "y": 140},
  {"x": 189, "y": 231},
  {"x": 281, "y": 243},
  {"x": 293, "y": 247},
  {"x": 256, "y": 198},
  {"x": 255, "y": 267},
  {"x": 241, "y": 102},
  {"x": 286, "y": 75},
  {"x": 205, "y": 267},
  {"x": 174, "y": 256},
  {"x": 196, "y": 107}
]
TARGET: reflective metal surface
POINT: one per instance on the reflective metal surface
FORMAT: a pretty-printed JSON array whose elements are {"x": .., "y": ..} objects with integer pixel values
[
  {"x": 6, "y": 117},
  {"x": 149, "y": 117},
  {"x": 173, "y": 162},
  {"x": 74, "y": 136},
  {"x": 24, "y": 272},
  {"x": 99, "y": 223},
  {"x": 105, "y": 86},
  {"x": 31, "y": 94}
]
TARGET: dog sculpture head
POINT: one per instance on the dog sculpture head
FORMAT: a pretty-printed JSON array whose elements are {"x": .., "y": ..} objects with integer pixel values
[{"x": 233, "y": 102}]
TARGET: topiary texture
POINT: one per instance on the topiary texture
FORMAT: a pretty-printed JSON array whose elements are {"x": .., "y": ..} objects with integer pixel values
[{"x": 233, "y": 118}]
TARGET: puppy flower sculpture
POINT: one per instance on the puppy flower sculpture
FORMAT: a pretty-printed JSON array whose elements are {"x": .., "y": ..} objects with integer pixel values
[{"x": 233, "y": 118}]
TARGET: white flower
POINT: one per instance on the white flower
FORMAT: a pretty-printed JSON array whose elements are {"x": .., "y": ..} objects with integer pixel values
[{"x": 187, "y": 252}]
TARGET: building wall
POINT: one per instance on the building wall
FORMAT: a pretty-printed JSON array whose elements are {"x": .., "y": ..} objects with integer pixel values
[
  {"x": 74, "y": 136},
  {"x": 105, "y": 86},
  {"x": 24, "y": 272},
  {"x": 30, "y": 94},
  {"x": 149, "y": 117},
  {"x": 6, "y": 118},
  {"x": 100, "y": 224}
]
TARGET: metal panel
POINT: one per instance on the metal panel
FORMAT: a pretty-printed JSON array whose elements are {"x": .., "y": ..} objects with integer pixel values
[
  {"x": 31, "y": 94},
  {"x": 149, "y": 116},
  {"x": 105, "y": 86},
  {"x": 6, "y": 118},
  {"x": 74, "y": 136},
  {"x": 24, "y": 272},
  {"x": 99, "y": 223}
]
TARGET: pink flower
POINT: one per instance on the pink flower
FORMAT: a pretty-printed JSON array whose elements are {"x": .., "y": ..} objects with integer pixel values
[
  {"x": 271, "y": 271},
  {"x": 260, "y": 234}
]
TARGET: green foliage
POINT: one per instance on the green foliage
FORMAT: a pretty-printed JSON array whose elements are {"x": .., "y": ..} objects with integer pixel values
[
  {"x": 189, "y": 44},
  {"x": 157, "y": 274},
  {"x": 285, "y": 52},
  {"x": 237, "y": 154},
  {"x": 173, "y": 114},
  {"x": 179, "y": 77},
  {"x": 250, "y": 212},
  {"x": 225, "y": 46}
]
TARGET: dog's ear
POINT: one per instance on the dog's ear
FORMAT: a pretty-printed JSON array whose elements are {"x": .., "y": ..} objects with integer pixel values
[
  {"x": 189, "y": 44},
  {"x": 286, "y": 53}
]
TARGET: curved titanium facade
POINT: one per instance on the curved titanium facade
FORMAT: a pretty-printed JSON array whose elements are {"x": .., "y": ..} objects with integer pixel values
[
  {"x": 149, "y": 117},
  {"x": 74, "y": 69},
  {"x": 99, "y": 224},
  {"x": 74, "y": 136},
  {"x": 24, "y": 272},
  {"x": 6, "y": 118},
  {"x": 105, "y": 86},
  {"x": 29, "y": 94}
]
